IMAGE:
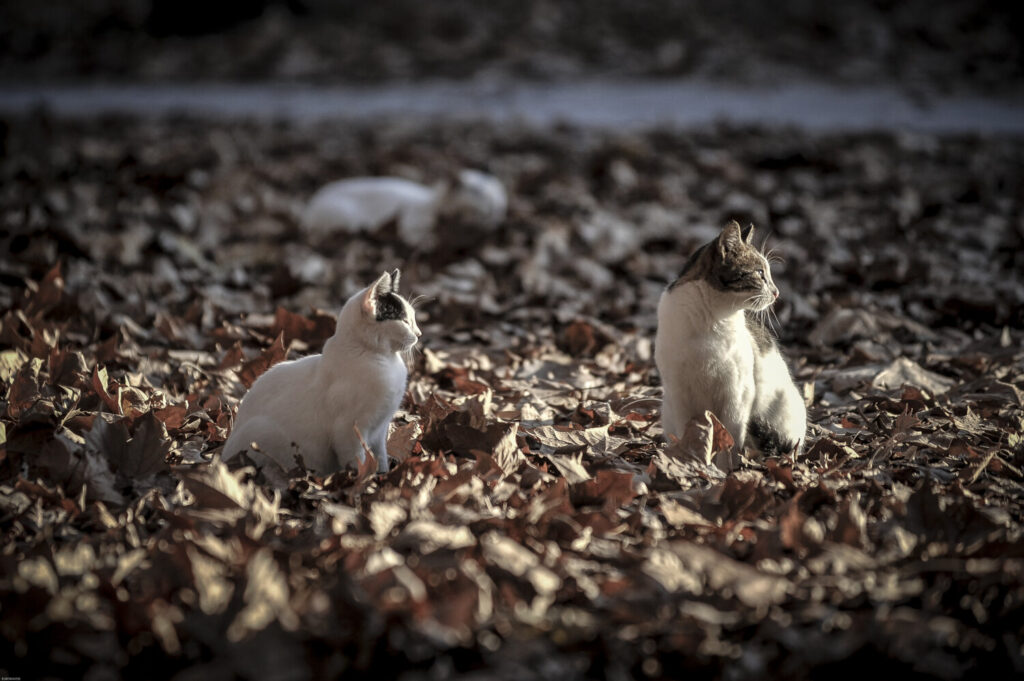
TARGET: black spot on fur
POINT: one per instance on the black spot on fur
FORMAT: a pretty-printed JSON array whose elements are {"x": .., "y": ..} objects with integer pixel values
[
  {"x": 389, "y": 306},
  {"x": 695, "y": 267},
  {"x": 768, "y": 440}
]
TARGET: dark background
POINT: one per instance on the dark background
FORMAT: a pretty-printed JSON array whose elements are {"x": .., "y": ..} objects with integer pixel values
[{"x": 958, "y": 45}]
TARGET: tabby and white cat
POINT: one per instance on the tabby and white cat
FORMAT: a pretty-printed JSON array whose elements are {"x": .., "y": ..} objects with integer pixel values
[
  {"x": 714, "y": 353},
  {"x": 312, "y": 406}
]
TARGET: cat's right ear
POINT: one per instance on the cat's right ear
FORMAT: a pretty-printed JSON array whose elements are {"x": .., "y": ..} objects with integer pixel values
[
  {"x": 730, "y": 238},
  {"x": 748, "y": 234},
  {"x": 382, "y": 285}
]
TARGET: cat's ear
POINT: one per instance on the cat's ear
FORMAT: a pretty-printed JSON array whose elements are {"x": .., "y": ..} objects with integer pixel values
[
  {"x": 730, "y": 238},
  {"x": 394, "y": 280},
  {"x": 378, "y": 288},
  {"x": 748, "y": 234}
]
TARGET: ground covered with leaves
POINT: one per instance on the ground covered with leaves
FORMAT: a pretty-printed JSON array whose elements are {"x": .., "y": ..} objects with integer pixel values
[{"x": 533, "y": 525}]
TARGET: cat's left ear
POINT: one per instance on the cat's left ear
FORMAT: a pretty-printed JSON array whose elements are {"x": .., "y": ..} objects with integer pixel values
[
  {"x": 379, "y": 287},
  {"x": 748, "y": 234},
  {"x": 394, "y": 280}
]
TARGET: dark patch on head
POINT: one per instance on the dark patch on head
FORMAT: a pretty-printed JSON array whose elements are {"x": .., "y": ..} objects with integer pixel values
[
  {"x": 695, "y": 268},
  {"x": 738, "y": 271},
  {"x": 389, "y": 306},
  {"x": 726, "y": 264},
  {"x": 768, "y": 440},
  {"x": 763, "y": 339}
]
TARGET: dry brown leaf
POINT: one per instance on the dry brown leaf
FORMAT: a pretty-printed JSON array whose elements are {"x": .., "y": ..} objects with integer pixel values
[{"x": 254, "y": 368}]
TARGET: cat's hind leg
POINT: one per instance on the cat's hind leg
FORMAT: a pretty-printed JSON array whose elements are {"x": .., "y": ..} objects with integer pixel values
[
  {"x": 264, "y": 443},
  {"x": 348, "y": 446},
  {"x": 736, "y": 421}
]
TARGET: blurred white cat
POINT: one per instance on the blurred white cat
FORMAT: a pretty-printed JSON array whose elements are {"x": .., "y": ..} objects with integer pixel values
[{"x": 365, "y": 204}]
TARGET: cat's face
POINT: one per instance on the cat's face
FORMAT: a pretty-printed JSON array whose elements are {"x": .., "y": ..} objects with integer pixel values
[
  {"x": 390, "y": 316},
  {"x": 733, "y": 266},
  {"x": 739, "y": 268}
]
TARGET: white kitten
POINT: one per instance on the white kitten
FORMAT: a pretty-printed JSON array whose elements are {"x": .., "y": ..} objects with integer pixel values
[
  {"x": 713, "y": 353},
  {"x": 313, "y": 405}
]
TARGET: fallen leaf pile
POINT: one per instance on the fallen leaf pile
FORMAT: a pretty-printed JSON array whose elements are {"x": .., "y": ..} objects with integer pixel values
[{"x": 534, "y": 525}]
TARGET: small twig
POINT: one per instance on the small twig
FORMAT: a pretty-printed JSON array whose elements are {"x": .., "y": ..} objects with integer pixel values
[{"x": 970, "y": 474}]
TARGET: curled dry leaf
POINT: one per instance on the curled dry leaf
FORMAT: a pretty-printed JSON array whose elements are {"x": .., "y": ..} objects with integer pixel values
[
  {"x": 703, "y": 441},
  {"x": 254, "y": 368}
]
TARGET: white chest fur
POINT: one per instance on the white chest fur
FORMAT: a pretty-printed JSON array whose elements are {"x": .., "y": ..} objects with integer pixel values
[{"x": 705, "y": 357}]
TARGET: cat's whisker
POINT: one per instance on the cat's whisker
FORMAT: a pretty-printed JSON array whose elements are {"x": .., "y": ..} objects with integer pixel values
[
  {"x": 773, "y": 257},
  {"x": 774, "y": 323}
]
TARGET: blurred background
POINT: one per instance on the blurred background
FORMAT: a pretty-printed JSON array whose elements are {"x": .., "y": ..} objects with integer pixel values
[
  {"x": 954, "y": 45},
  {"x": 637, "y": 178}
]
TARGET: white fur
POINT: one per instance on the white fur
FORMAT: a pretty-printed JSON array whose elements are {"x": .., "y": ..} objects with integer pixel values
[
  {"x": 365, "y": 204},
  {"x": 705, "y": 356},
  {"x": 777, "y": 399},
  {"x": 310, "y": 406}
]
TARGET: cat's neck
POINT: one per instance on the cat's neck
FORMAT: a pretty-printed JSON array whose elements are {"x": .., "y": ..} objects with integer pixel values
[
  {"x": 354, "y": 340},
  {"x": 698, "y": 307}
]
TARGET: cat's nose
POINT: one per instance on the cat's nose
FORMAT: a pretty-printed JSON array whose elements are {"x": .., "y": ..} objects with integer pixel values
[{"x": 775, "y": 293}]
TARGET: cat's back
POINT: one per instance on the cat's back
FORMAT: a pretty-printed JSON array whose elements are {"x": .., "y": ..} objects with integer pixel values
[
  {"x": 284, "y": 383},
  {"x": 377, "y": 192},
  {"x": 365, "y": 202}
]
